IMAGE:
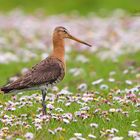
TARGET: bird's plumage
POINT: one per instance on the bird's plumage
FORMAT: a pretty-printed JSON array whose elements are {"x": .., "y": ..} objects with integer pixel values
[{"x": 47, "y": 72}]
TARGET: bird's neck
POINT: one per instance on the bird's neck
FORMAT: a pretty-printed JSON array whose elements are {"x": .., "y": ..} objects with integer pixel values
[{"x": 58, "y": 48}]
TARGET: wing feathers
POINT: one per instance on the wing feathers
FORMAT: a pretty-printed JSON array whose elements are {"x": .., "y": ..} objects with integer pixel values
[{"x": 46, "y": 71}]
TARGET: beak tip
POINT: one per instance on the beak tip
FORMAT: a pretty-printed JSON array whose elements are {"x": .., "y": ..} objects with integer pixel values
[{"x": 90, "y": 45}]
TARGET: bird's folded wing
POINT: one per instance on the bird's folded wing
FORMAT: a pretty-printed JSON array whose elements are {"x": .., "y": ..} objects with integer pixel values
[{"x": 46, "y": 71}]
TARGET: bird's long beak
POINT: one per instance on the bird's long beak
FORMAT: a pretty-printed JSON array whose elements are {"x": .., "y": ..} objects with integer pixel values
[{"x": 78, "y": 40}]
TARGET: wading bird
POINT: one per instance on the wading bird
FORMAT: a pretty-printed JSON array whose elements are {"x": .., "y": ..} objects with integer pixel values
[{"x": 48, "y": 72}]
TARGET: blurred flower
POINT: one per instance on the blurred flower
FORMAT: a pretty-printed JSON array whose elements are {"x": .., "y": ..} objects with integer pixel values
[
  {"x": 112, "y": 110},
  {"x": 97, "y": 82},
  {"x": 82, "y": 87},
  {"x": 58, "y": 129},
  {"x": 112, "y": 73},
  {"x": 95, "y": 125},
  {"x": 64, "y": 92},
  {"x": 116, "y": 138},
  {"x": 111, "y": 80},
  {"x": 128, "y": 82},
  {"x": 78, "y": 134},
  {"x": 66, "y": 121},
  {"x": 50, "y": 106},
  {"x": 104, "y": 87},
  {"x": 82, "y": 58},
  {"x": 76, "y": 71},
  {"x": 29, "y": 136},
  {"x": 132, "y": 133},
  {"x": 51, "y": 131},
  {"x": 73, "y": 138},
  {"x": 91, "y": 136}
]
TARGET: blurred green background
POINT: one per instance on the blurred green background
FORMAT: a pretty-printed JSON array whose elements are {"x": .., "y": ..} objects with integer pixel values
[{"x": 61, "y": 6}]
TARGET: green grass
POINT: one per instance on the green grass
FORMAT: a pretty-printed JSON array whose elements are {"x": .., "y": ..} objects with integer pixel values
[
  {"x": 83, "y": 6},
  {"x": 102, "y": 70}
]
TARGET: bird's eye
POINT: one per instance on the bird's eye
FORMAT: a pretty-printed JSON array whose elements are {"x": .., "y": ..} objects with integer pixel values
[{"x": 65, "y": 31}]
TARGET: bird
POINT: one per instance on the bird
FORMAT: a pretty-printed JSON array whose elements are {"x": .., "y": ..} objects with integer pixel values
[{"x": 48, "y": 72}]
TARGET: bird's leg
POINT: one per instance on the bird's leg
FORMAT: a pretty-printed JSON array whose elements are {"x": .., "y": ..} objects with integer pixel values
[{"x": 43, "y": 102}]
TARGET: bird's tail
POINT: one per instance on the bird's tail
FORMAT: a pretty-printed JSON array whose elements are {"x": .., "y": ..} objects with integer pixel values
[{"x": 5, "y": 90}]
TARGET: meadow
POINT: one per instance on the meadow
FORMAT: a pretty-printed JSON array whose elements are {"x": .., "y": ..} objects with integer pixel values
[
  {"x": 99, "y": 97},
  {"x": 52, "y": 7}
]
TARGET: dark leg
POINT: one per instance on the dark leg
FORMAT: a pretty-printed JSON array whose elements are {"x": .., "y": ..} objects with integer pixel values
[{"x": 43, "y": 102}]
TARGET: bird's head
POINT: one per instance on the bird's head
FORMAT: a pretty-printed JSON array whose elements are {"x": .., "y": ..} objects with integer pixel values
[{"x": 63, "y": 33}]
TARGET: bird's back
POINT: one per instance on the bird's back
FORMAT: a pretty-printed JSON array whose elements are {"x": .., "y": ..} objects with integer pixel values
[{"x": 48, "y": 72}]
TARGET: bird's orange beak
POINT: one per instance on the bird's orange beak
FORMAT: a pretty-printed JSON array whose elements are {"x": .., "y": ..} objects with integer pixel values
[{"x": 78, "y": 40}]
